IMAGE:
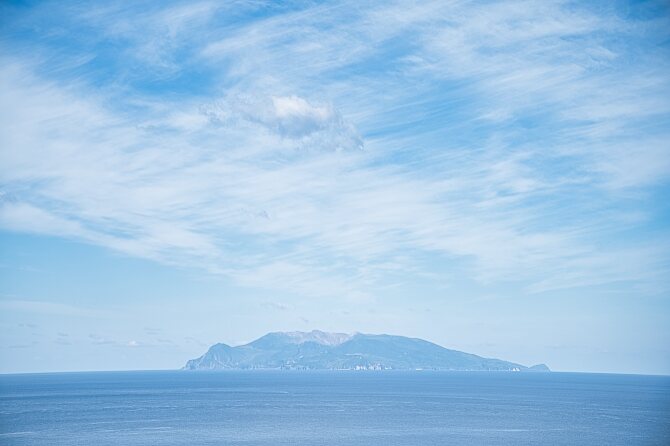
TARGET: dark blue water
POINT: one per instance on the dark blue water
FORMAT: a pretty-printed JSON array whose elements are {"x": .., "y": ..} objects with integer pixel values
[{"x": 333, "y": 408}]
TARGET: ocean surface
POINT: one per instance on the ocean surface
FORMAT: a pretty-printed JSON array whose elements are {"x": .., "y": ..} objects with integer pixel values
[{"x": 333, "y": 408}]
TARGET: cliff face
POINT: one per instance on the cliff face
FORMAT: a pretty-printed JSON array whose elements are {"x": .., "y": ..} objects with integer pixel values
[{"x": 317, "y": 350}]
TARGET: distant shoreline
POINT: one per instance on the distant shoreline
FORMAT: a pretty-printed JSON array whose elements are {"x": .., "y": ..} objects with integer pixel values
[{"x": 365, "y": 372}]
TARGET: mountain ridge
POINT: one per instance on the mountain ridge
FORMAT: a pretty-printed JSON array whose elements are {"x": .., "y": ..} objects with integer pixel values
[{"x": 318, "y": 350}]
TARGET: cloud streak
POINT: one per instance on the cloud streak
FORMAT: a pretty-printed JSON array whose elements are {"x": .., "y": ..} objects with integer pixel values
[{"x": 327, "y": 160}]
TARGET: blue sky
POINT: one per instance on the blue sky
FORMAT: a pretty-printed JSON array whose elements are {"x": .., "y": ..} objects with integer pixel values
[{"x": 490, "y": 176}]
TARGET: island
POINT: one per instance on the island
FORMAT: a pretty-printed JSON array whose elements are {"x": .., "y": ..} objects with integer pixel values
[{"x": 318, "y": 350}]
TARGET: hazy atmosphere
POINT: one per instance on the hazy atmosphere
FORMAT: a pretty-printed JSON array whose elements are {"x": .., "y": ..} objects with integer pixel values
[{"x": 490, "y": 177}]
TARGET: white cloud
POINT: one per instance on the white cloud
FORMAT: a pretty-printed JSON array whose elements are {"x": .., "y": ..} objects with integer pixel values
[
  {"x": 266, "y": 182},
  {"x": 301, "y": 124},
  {"x": 295, "y": 116},
  {"x": 24, "y": 217}
]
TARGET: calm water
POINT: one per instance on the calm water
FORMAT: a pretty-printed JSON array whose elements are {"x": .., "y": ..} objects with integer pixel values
[{"x": 333, "y": 408}]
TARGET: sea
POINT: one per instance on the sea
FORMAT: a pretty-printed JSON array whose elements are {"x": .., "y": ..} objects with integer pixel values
[{"x": 334, "y": 408}]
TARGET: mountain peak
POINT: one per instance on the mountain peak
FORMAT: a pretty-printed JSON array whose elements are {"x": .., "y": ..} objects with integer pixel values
[
  {"x": 279, "y": 339},
  {"x": 320, "y": 337}
]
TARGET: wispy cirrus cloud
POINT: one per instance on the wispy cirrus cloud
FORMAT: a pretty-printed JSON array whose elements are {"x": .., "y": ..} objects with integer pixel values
[{"x": 324, "y": 159}]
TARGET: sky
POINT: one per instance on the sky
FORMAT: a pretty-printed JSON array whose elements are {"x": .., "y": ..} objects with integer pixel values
[{"x": 489, "y": 176}]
